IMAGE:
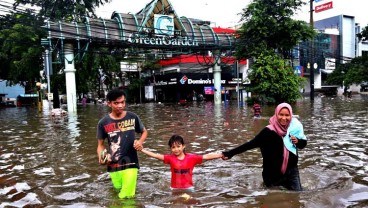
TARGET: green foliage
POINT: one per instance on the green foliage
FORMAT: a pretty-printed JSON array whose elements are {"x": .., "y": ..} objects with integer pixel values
[
  {"x": 151, "y": 65},
  {"x": 20, "y": 38},
  {"x": 88, "y": 75},
  {"x": 135, "y": 86},
  {"x": 269, "y": 26},
  {"x": 363, "y": 36},
  {"x": 268, "y": 30},
  {"x": 20, "y": 49},
  {"x": 273, "y": 80},
  {"x": 354, "y": 72}
]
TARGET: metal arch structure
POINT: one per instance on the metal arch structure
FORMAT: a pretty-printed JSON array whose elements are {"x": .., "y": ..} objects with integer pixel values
[{"x": 133, "y": 31}]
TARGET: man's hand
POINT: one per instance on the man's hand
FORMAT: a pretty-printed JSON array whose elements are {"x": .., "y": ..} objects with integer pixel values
[
  {"x": 100, "y": 148},
  {"x": 103, "y": 157},
  {"x": 138, "y": 145}
]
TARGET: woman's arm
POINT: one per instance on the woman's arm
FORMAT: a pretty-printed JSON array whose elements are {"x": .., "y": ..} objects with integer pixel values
[
  {"x": 212, "y": 156},
  {"x": 154, "y": 155},
  {"x": 254, "y": 143},
  {"x": 301, "y": 143}
]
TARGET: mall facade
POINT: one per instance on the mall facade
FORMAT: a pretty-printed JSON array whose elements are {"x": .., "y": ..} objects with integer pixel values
[
  {"x": 196, "y": 59},
  {"x": 190, "y": 78}
]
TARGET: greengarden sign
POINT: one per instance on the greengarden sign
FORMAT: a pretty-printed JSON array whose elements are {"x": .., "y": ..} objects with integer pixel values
[
  {"x": 162, "y": 41},
  {"x": 164, "y": 34},
  {"x": 164, "y": 25},
  {"x": 323, "y": 7}
]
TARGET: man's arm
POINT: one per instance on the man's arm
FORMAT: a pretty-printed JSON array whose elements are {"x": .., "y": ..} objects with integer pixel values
[
  {"x": 154, "y": 155},
  {"x": 100, "y": 147},
  {"x": 138, "y": 144}
]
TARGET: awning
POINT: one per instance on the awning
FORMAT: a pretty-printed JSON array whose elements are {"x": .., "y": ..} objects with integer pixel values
[
  {"x": 327, "y": 71},
  {"x": 223, "y": 30},
  {"x": 198, "y": 59}
]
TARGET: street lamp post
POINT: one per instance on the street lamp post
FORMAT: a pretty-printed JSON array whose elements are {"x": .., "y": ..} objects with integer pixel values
[
  {"x": 139, "y": 68},
  {"x": 39, "y": 103},
  {"x": 237, "y": 82}
]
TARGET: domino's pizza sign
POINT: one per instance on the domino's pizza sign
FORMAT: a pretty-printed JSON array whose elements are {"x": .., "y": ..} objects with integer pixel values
[{"x": 164, "y": 25}]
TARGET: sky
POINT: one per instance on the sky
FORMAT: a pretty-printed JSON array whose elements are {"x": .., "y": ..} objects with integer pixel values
[{"x": 225, "y": 13}]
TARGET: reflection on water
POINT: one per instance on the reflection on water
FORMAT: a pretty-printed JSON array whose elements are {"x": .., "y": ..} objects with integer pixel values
[{"x": 52, "y": 162}]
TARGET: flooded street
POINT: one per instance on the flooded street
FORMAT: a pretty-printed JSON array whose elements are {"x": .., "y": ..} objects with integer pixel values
[{"x": 48, "y": 162}]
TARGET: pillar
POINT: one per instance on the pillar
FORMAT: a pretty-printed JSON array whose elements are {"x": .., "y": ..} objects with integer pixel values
[
  {"x": 217, "y": 78},
  {"x": 71, "y": 92}
]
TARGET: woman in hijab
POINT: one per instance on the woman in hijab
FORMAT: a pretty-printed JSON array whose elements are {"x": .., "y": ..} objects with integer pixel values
[{"x": 278, "y": 143}]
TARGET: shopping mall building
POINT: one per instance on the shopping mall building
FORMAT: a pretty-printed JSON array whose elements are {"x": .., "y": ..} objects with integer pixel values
[{"x": 196, "y": 59}]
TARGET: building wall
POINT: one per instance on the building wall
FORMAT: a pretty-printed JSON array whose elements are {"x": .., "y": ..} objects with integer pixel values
[
  {"x": 362, "y": 47},
  {"x": 348, "y": 36},
  {"x": 348, "y": 46}
]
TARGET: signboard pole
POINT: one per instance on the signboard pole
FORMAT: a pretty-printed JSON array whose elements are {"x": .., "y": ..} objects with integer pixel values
[{"x": 237, "y": 82}]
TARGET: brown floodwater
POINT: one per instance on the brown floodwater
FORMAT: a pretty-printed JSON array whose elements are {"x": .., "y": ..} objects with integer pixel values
[{"x": 48, "y": 162}]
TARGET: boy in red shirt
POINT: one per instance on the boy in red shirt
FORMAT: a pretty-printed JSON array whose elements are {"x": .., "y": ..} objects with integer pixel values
[
  {"x": 181, "y": 163},
  {"x": 256, "y": 109}
]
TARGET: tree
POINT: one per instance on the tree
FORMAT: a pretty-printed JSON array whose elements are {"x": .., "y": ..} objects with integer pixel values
[
  {"x": 268, "y": 35},
  {"x": 273, "y": 79},
  {"x": 88, "y": 75},
  {"x": 269, "y": 26},
  {"x": 363, "y": 36},
  {"x": 21, "y": 32},
  {"x": 20, "y": 49},
  {"x": 354, "y": 72}
]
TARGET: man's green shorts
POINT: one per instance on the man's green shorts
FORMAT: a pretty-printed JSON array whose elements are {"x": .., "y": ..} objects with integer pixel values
[{"x": 125, "y": 181}]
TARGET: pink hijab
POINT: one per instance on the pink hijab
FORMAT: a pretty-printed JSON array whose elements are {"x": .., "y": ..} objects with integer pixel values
[
  {"x": 281, "y": 131},
  {"x": 275, "y": 124}
]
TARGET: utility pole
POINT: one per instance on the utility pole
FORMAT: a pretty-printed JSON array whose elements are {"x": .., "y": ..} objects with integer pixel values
[
  {"x": 311, "y": 54},
  {"x": 237, "y": 81},
  {"x": 47, "y": 65}
]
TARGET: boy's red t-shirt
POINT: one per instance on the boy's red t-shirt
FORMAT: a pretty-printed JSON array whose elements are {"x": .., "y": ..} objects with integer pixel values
[
  {"x": 257, "y": 109},
  {"x": 182, "y": 170}
]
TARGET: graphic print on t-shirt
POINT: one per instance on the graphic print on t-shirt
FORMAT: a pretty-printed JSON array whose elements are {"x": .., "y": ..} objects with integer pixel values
[
  {"x": 115, "y": 148},
  {"x": 182, "y": 171},
  {"x": 122, "y": 126},
  {"x": 116, "y": 132}
]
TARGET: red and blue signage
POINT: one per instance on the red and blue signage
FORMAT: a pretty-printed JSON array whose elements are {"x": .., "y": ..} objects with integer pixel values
[{"x": 299, "y": 70}]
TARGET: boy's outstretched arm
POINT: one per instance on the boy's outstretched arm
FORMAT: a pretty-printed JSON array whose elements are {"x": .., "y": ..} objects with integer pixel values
[
  {"x": 152, "y": 154},
  {"x": 212, "y": 156}
]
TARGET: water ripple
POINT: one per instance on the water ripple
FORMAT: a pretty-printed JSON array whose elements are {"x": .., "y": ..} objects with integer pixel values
[{"x": 47, "y": 162}]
